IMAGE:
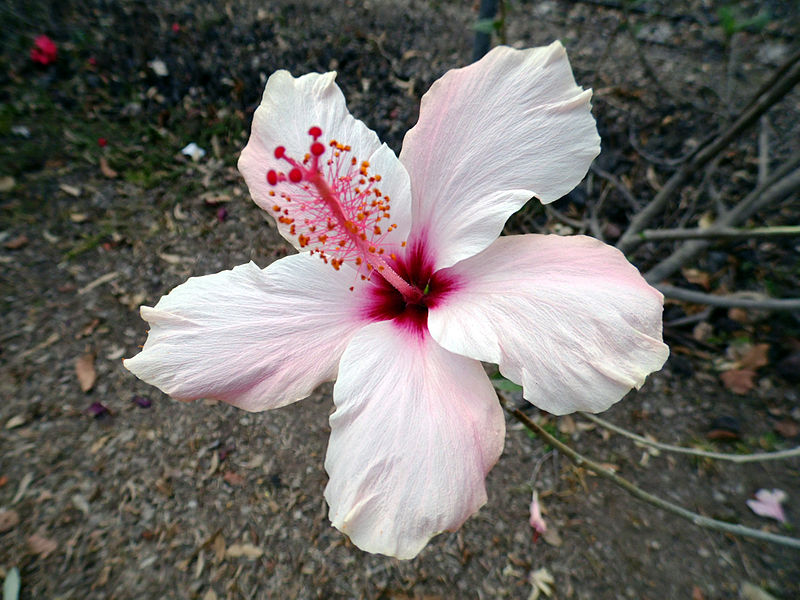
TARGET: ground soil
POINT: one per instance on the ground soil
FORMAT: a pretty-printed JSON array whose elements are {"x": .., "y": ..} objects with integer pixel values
[{"x": 120, "y": 492}]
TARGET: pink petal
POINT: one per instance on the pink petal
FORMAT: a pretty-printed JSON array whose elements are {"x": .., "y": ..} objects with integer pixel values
[
  {"x": 289, "y": 108},
  {"x": 768, "y": 504},
  {"x": 254, "y": 338},
  {"x": 415, "y": 432},
  {"x": 536, "y": 520},
  {"x": 489, "y": 137},
  {"x": 568, "y": 318}
]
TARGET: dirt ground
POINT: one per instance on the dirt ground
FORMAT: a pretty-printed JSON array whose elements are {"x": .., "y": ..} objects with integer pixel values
[{"x": 119, "y": 492}]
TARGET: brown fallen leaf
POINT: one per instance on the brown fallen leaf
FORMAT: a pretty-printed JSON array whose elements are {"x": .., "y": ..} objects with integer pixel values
[
  {"x": 8, "y": 520},
  {"x": 755, "y": 357},
  {"x": 219, "y": 548},
  {"x": 17, "y": 242},
  {"x": 247, "y": 550},
  {"x": 697, "y": 593},
  {"x": 551, "y": 536},
  {"x": 84, "y": 369},
  {"x": 697, "y": 277},
  {"x": 738, "y": 381},
  {"x": 233, "y": 478},
  {"x": 41, "y": 545},
  {"x": 106, "y": 170},
  {"x": 787, "y": 428},
  {"x": 566, "y": 425}
]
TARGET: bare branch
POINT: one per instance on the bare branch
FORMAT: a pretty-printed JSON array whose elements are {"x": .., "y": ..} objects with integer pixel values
[
  {"x": 639, "y": 493},
  {"x": 618, "y": 185},
  {"x": 736, "y": 458},
  {"x": 783, "y": 183},
  {"x": 722, "y": 233},
  {"x": 730, "y": 301},
  {"x": 789, "y": 76}
]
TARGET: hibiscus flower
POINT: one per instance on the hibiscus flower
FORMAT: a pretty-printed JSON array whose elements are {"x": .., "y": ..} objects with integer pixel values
[{"x": 401, "y": 287}]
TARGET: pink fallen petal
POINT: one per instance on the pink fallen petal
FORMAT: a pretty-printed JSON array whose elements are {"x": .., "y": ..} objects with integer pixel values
[
  {"x": 768, "y": 504},
  {"x": 536, "y": 520},
  {"x": 415, "y": 432},
  {"x": 568, "y": 318}
]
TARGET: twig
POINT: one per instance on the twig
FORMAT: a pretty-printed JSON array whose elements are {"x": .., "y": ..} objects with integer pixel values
[
  {"x": 730, "y": 301},
  {"x": 618, "y": 185},
  {"x": 763, "y": 150},
  {"x": 689, "y": 319},
  {"x": 594, "y": 210},
  {"x": 783, "y": 182},
  {"x": 639, "y": 493},
  {"x": 559, "y": 216},
  {"x": 723, "y": 233},
  {"x": 736, "y": 458},
  {"x": 790, "y": 75}
]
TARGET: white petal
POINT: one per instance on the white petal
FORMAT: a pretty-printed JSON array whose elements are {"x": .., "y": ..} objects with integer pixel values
[
  {"x": 489, "y": 137},
  {"x": 254, "y": 338},
  {"x": 415, "y": 432},
  {"x": 568, "y": 318},
  {"x": 289, "y": 108}
]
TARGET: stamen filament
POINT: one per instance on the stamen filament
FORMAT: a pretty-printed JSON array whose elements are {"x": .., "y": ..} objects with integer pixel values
[{"x": 411, "y": 293}]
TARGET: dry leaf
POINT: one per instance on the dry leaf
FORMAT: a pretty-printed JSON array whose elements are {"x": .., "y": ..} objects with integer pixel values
[
  {"x": 552, "y": 537},
  {"x": 7, "y": 183},
  {"x": 41, "y": 545},
  {"x": 697, "y": 277},
  {"x": 103, "y": 578},
  {"x": 750, "y": 591},
  {"x": 106, "y": 170},
  {"x": 219, "y": 548},
  {"x": 233, "y": 478},
  {"x": 23, "y": 487},
  {"x": 738, "y": 381},
  {"x": 84, "y": 368},
  {"x": 540, "y": 581},
  {"x": 247, "y": 550},
  {"x": 697, "y": 594},
  {"x": 70, "y": 189},
  {"x": 172, "y": 259},
  {"x": 566, "y": 425},
  {"x": 740, "y": 315},
  {"x": 17, "y": 243},
  {"x": 755, "y": 357},
  {"x": 8, "y": 520},
  {"x": 787, "y": 428},
  {"x": 15, "y": 421},
  {"x": 702, "y": 331}
]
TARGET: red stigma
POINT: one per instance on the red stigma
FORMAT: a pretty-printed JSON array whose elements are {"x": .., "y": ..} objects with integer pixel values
[
  {"x": 295, "y": 176},
  {"x": 272, "y": 177},
  {"x": 280, "y": 151},
  {"x": 315, "y": 132},
  {"x": 317, "y": 149}
]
